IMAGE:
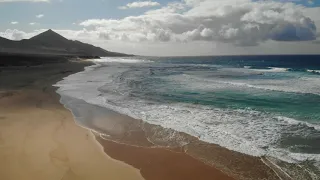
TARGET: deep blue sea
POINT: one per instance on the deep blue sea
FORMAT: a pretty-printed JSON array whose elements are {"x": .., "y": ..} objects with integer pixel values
[{"x": 257, "y": 105}]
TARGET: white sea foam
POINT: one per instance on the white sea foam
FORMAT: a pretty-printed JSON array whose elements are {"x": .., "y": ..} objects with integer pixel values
[
  {"x": 245, "y": 131},
  {"x": 296, "y": 122},
  {"x": 290, "y": 157},
  {"x": 272, "y": 69},
  {"x": 317, "y": 71},
  {"x": 309, "y": 85},
  {"x": 121, "y": 60}
]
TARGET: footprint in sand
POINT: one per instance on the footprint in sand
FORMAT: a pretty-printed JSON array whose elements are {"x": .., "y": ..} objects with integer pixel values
[
  {"x": 70, "y": 175},
  {"x": 59, "y": 156}
]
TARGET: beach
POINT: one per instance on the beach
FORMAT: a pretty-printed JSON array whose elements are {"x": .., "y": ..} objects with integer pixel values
[
  {"x": 162, "y": 153},
  {"x": 235, "y": 116},
  {"x": 40, "y": 140},
  {"x": 160, "y": 90}
]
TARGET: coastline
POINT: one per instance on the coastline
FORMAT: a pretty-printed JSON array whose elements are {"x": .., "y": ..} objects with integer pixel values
[
  {"x": 139, "y": 151},
  {"x": 111, "y": 127},
  {"x": 146, "y": 147},
  {"x": 154, "y": 162},
  {"x": 100, "y": 88},
  {"x": 39, "y": 138}
]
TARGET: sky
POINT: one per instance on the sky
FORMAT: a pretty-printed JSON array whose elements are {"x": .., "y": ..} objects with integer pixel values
[{"x": 172, "y": 27}]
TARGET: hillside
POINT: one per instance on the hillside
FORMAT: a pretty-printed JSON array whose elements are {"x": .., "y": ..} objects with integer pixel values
[{"x": 52, "y": 43}]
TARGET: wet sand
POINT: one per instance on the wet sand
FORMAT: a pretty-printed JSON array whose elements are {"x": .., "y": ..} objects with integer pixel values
[
  {"x": 164, "y": 153},
  {"x": 161, "y": 163},
  {"x": 39, "y": 139}
]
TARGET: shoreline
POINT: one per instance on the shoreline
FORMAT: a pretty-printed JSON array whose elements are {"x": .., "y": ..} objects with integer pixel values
[
  {"x": 31, "y": 109},
  {"x": 173, "y": 163},
  {"x": 39, "y": 138},
  {"x": 278, "y": 168},
  {"x": 139, "y": 144},
  {"x": 135, "y": 134}
]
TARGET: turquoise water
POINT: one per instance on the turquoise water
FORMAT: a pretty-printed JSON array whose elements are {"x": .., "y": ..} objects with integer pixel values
[
  {"x": 257, "y": 105},
  {"x": 286, "y": 94},
  {"x": 301, "y": 106},
  {"x": 298, "y": 105}
]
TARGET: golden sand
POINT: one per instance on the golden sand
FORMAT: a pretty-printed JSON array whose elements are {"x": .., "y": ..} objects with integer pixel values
[{"x": 39, "y": 140}]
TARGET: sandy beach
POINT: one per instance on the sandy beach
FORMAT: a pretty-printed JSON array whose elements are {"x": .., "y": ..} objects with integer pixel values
[{"x": 39, "y": 138}]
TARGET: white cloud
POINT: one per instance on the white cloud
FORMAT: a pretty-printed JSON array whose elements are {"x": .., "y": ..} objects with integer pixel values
[
  {"x": 140, "y": 4},
  {"x": 193, "y": 2},
  {"x": 32, "y": 23},
  {"x": 14, "y": 22},
  {"x": 8, "y": 1},
  {"x": 39, "y": 16},
  {"x": 313, "y": 13},
  {"x": 15, "y": 34},
  {"x": 172, "y": 7},
  {"x": 172, "y": 48},
  {"x": 239, "y": 22},
  {"x": 206, "y": 27}
]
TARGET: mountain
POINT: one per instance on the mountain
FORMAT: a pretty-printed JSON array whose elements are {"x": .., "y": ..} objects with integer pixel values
[
  {"x": 49, "y": 36},
  {"x": 52, "y": 43},
  {"x": 6, "y": 43},
  {"x": 4, "y": 40}
]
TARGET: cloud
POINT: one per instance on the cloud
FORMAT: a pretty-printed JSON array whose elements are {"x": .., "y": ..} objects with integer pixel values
[
  {"x": 172, "y": 7},
  {"x": 14, "y": 34},
  {"x": 32, "y": 23},
  {"x": 8, "y": 1},
  {"x": 140, "y": 4},
  {"x": 238, "y": 22},
  {"x": 39, "y": 16},
  {"x": 192, "y": 48},
  {"x": 14, "y": 22},
  {"x": 204, "y": 27}
]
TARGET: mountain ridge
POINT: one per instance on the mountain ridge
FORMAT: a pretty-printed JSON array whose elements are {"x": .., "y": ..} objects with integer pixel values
[{"x": 52, "y": 43}]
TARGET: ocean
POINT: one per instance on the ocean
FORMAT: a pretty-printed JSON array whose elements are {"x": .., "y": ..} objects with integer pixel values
[{"x": 263, "y": 106}]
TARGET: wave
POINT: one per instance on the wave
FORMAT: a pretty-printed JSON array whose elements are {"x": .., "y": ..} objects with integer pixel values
[
  {"x": 310, "y": 85},
  {"x": 279, "y": 69},
  {"x": 270, "y": 69},
  {"x": 121, "y": 60},
  {"x": 313, "y": 71},
  {"x": 296, "y": 122},
  {"x": 246, "y": 131}
]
